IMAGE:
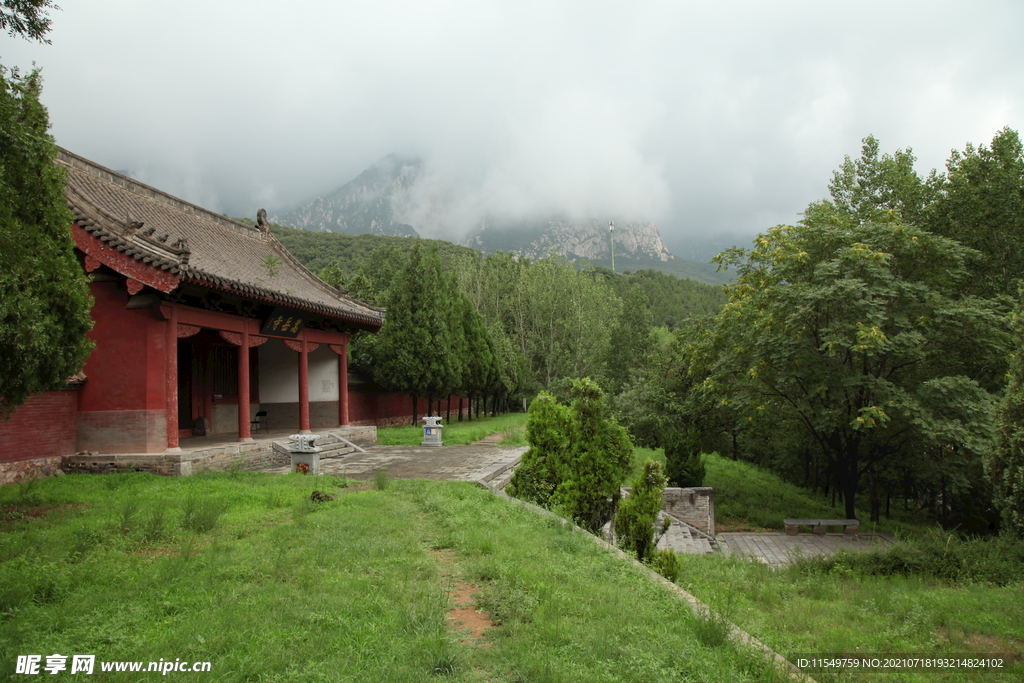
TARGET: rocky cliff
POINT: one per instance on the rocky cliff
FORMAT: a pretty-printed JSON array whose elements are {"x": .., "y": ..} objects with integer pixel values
[
  {"x": 571, "y": 238},
  {"x": 361, "y": 206}
]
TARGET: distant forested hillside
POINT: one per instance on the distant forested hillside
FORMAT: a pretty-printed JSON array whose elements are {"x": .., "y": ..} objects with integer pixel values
[
  {"x": 672, "y": 299},
  {"x": 317, "y": 250}
]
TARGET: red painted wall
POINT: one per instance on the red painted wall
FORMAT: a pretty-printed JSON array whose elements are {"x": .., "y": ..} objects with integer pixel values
[
  {"x": 126, "y": 369},
  {"x": 41, "y": 427},
  {"x": 377, "y": 408},
  {"x": 122, "y": 406}
]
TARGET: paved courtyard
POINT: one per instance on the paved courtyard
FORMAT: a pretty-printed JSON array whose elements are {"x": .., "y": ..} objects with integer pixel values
[
  {"x": 776, "y": 548},
  {"x": 445, "y": 463}
]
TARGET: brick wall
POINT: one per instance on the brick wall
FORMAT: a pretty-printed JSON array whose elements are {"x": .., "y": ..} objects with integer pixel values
[
  {"x": 122, "y": 431},
  {"x": 695, "y": 506},
  {"x": 42, "y": 427},
  {"x": 390, "y": 410}
]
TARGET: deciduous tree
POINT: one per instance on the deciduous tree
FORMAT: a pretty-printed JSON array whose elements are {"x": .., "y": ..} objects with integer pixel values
[{"x": 844, "y": 328}]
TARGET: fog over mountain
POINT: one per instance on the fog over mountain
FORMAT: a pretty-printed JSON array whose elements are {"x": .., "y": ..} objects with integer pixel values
[{"x": 702, "y": 118}]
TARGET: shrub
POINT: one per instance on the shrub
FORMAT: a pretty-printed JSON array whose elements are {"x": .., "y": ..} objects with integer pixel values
[
  {"x": 945, "y": 557},
  {"x": 547, "y": 431},
  {"x": 666, "y": 563},
  {"x": 634, "y": 522},
  {"x": 578, "y": 457},
  {"x": 683, "y": 462},
  {"x": 600, "y": 456}
]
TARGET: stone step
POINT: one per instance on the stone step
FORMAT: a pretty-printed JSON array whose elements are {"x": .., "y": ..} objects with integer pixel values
[{"x": 336, "y": 450}]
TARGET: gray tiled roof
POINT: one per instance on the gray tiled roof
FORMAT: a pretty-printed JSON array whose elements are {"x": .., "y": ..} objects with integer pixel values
[{"x": 203, "y": 247}]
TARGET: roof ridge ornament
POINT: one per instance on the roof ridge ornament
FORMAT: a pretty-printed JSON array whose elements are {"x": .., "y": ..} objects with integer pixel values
[{"x": 261, "y": 221}]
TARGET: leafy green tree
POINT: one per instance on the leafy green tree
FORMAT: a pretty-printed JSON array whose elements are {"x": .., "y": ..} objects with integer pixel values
[
  {"x": 634, "y": 521},
  {"x": 1005, "y": 464},
  {"x": 332, "y": 275},
  {"x": 578, "y": 457},
  {"x": 683, "y": 462},
  {"x": 981, "y": 205},
  {"x": 479, "y": 362},
  {"x": 26, "y": 18},
  {"x": 568, "y": 326},
  {"x": 44, "y": 296},
  {"x": 871, "y": 186},
  {"x": 843, "y": 328},
  {"x": 631, "y": 339}
]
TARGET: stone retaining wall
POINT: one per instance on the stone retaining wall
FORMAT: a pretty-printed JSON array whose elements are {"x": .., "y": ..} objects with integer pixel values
[
  {"x": 695, "y": 506},
  {"x": 15, "y": 471},
  {"x": 248, "y": 457}
]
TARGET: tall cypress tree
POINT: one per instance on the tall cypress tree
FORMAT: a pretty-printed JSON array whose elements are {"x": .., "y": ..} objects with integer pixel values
[
  {"x": 1005, "y": 464},
  {"x": 44, "y": 298}
]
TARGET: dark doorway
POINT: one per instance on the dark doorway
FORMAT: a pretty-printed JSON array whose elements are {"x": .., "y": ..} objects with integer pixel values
[{"x": 185, "y": 387}]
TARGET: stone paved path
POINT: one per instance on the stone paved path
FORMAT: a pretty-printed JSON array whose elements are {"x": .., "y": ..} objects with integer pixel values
[
  {"x": 441, "y": 463},
  {"x": 776, "y": 548}
]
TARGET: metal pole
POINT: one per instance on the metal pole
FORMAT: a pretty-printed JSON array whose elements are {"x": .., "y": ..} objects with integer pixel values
[{"x": 611, "y": 240}]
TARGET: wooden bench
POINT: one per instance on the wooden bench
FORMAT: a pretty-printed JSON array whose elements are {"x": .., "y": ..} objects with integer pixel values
[{"x": 818, "y": 525}]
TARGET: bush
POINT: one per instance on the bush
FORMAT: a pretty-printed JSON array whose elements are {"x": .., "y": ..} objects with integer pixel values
[
  {"x": 666, "y": 563},
  {"x": 634, "y": 523},
  {"x": 683, "y": 462},
  {"x": 600, "y": 456},
  {"x": 547, "y": 431},
  {"x": 578, "y": 457},
  {"x": 945, "y": 557}
]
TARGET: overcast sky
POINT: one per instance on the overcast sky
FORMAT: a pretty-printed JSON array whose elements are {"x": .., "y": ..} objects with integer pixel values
[{"x": 707, "y": 117}]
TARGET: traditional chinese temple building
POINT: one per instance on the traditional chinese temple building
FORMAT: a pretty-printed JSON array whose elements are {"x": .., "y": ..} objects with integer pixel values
[{"x": 201, "y": 323}]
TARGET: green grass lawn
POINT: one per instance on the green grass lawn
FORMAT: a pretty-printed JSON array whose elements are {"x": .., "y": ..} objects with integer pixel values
[
  {"x": 748, "y": 498},
  {"x": 459, "y": 433},
  {"x": 242, "y": 570},
  {"x": 935, "y": 595}
]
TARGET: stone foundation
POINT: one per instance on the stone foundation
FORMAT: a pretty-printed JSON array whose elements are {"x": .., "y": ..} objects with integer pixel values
[
  {"x": 16, "y": 471},
  {"x": 250, "y": 457},
  {"x": 695, "y": 506}
]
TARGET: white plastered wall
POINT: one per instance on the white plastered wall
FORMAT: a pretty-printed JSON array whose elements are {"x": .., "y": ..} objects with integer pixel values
[{"x": 279, "y": 374}]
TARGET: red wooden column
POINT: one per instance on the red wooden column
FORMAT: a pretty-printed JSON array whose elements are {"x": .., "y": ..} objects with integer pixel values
[
  {"x": 304, "y": 387},
  {"x": 304, "y": 348},
  {"x": 342, "y": 351},
  {"x": 171, "y": 364},
  {"x": 243, "y": 385},
  {"x": 244, "y": 341}
]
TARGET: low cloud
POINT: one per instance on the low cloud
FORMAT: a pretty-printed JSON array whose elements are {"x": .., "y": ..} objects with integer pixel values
[{"x": 707, "y": 118}]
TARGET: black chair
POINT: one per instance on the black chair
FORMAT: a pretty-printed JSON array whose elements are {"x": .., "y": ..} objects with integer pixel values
[{"x": 259, "y": 422}]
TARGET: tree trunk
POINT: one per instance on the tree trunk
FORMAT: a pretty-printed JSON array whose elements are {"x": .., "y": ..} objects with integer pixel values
[
  {"x": 448, "y": 409},
  {"x": 415, "y": 411},
  {"x": 876, "y": 503},
  {"x": 848, "y": 484},
  {"x": 460, "y": 409}
]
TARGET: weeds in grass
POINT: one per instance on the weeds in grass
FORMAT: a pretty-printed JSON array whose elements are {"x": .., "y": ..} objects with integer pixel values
[
  {"x": 154, "y": 528},
  {"x": 513, "y": 437},
  {"x": 666, "y": 563},
  {"x": 126, "y": 514},
  {"x": 935, "y": 555},
  {"x": 381, "y": 479},
  {"x": 275, "y": 498},
  {"x": 201, "y": 514},
  {"x": 711, "y": 630}
]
